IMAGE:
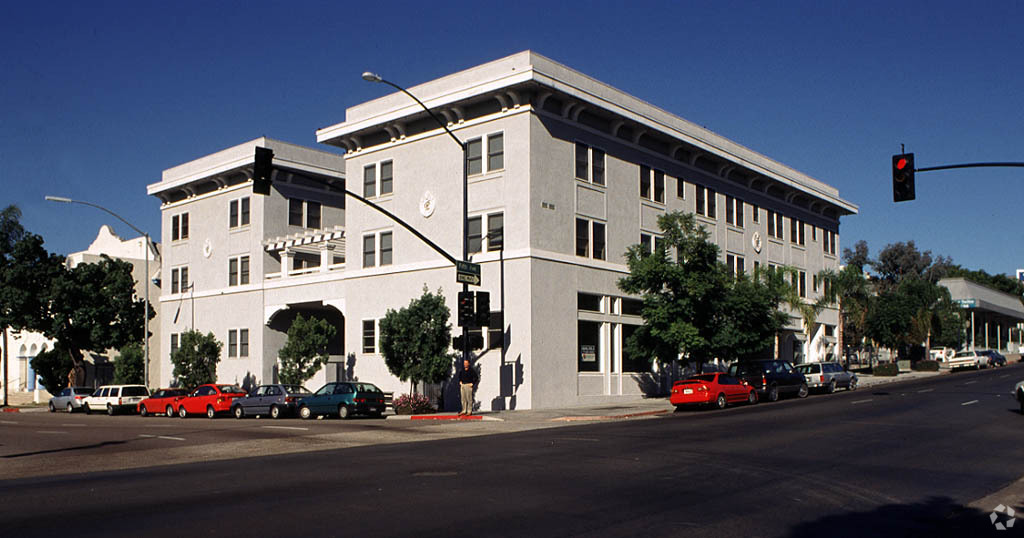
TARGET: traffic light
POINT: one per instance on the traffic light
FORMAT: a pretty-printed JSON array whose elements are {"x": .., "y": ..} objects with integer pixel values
[
  {"x": 466, "y": 317},
  {"x": 476, "y": 341},
  {"x": 903, "y": 177},
  {"x": 483, "y": 309},
  {"x": 262, "y": 170}
]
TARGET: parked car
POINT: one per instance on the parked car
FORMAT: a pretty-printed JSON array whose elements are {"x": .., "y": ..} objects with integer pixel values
[
  {"x": 770, "y": 378},
  {"x": 1018, "y": 392},
  {"x": 69, "y": 399},
  {"x": 827, "y": 376},
  {"x": 343, "y": 398},
  {"x": 966, "y": 359},
  {"x": 993, "y": 358},
  {"x": 211, "y": 399},
  {"x": 162, "y": 401},
  {"x": 711, "y": 389},
  {"x": 274, "y": 401},
  {"x": 115, "y": 398}
]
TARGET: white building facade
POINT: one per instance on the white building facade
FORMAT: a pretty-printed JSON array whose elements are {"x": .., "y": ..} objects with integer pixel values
[{"x": 565, "y": 173}]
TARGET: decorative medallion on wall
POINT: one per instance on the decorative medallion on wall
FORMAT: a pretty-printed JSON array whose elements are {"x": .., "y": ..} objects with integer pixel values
[
  {"x": 427, "y": 204},
  {"x": 756, "y": 242},
  {"x": 207, "y": 248}
]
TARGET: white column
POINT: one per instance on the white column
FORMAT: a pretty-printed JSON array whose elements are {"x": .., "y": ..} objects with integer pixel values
[
  {"x": 326, "y": 256},
  {"x": 287, "y": 262}
]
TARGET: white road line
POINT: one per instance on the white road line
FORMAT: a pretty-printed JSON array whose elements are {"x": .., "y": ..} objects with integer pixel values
[
  {"x": 970, "y": 402},
  {"x": 286, "y": 428},
  {"x": 49, "y": 431},
  {"x": 171, "y": 438},
  {"x": 75, "y": 425},
  {"x": 861, "y": 401},
  {"x": 970, "y": 382},
  {"x": 7, "y": 422},
  {"x": 146, "y": 436},
  {"x": 925, "y": 390}
]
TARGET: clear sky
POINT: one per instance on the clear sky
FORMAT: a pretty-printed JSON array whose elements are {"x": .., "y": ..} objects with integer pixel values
[{"x": 98, "y": 98}]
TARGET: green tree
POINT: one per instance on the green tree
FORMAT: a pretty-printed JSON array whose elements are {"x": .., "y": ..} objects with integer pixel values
[
  {"x": 415, "y": 340},
  {"x": 683, "y": 299},
  {"x": 753, "y": 318},
  {"x": 305, "y": 351},
  {"x": 128, "y": 368},
  {"x": 53, "y": 366},
  {"x": 851, "y": 292},
  {"x": 195, "y": 360}
]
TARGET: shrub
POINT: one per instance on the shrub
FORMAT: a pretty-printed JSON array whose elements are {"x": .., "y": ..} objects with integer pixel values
[
  {"x": 926, "y": 366},
  {"x": 412, "y": 404},
  {"x": 886, "y": 369}
]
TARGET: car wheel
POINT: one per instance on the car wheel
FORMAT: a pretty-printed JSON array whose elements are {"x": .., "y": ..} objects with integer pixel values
[
  {"x": 53, "y": 409},
  {"x": 143, "y": 411},
  {"x": 87, "y": 409},
  {"x": 773, "y": 393},
  {"x": 238, "y": 411},
  {"x": 831, "y": 386},
  {"x": 71, "y": 408},
  {"x": 275, "y": 412},
  {"x": 853, "y": 384},
  {"x": 181, "y": 412},
  {"x": 210, "y": 413},
  {"x": 752, "y": 397},
  {"x": 110, "y": 410},
  {"x": 305, "y": 413},
  {"x": 803, "y": 391},
  {"x": 169, "y": 411},
  {"x": 343, "y": 412},
  {"x": 721, "y": 402}
]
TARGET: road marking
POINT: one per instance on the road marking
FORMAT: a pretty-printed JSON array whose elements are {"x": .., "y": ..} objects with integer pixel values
[
  {"x": 49, "y": 431},
  {"x": 7, "y": 422},
  {"x": 286, "y": 428},
  {"x": 161, "y": 437},
  {"x": 925, "y": 390},
  {"x": 970, "y": 382},
  {"x": 74, "y": 425},
  {"x": 861, "y": 401},
  {"x": 970, "y": 402},
  {"x": 146, "y": 436}
]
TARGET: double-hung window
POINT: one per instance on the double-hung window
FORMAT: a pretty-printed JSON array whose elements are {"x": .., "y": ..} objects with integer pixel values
[
  {"x": 493, "y": 240},
  {"x": 796, "y": 231},
  {"x": 706, "y": 202},
  {"x": 378, "y": 179},
  {"x": 179, "y": 279},
  {"x": 369, "y": 336},
  {"x": 590, "y": 239},
  {"x": 495, "y": 159},
  {"x": 238, "y": 270},
  {"x": 238, "y": 343},
  {"x": 304, "y": 213},
  {"x": 736, "y": 264},
  {"x": 589, "y": 164},
  {"x": 775, "y": 228},
  {"x": 238, "y": 212},
  {"x": 734, "y": 211},
  {"x": 377, "y": 249},
  {"x": 652, "y": 184},
  {"x": 179, "y": 227}
]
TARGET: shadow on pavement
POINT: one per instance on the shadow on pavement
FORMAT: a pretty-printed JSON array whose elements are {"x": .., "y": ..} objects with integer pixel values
[{"x": 935, "y": 517}]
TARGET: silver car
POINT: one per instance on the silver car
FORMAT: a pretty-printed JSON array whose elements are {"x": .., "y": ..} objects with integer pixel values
[
  {"x": 69, "y": 399},
  {"x": 827, "y": 376}
]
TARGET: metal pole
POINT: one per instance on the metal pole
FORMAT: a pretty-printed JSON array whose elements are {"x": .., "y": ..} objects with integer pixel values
[
  {"x": 145, "y": 317},
  {"x": 465, "y": 238}
]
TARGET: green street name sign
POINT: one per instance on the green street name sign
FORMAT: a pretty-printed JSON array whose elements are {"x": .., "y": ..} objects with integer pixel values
[
  {"x": 467, "y": 273},
  {"x": 967, "y": 303}
]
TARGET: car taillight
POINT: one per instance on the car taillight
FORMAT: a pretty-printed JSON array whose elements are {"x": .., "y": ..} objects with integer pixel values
[
  {"x": 119, "y": 401},
  {"x": 703, "y": 387},
  {"x": 360, "y": 400},
  {"x": 821, "y": 378},
  {"x": 78, "y": 397},
  {"x": 289, "y": 399},
  {"x": 220, "y": 399}
]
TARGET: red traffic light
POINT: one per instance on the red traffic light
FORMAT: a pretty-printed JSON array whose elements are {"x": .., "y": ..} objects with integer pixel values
[
  {"x": 903, "y": 177},
  {"x": 901, "y": 163}
]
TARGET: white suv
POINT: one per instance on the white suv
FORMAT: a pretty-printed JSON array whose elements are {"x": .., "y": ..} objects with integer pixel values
[{"x": 114, "y": 398}]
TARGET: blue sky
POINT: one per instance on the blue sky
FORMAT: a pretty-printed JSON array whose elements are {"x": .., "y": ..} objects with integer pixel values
[{"x": 98, "y": 98}]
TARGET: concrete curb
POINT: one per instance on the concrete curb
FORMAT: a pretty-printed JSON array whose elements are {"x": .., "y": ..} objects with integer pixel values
[
  {"x": 611, "y": 417},
  {"x": 450, "y": 418},
  {"x": 25, "y": 409}
]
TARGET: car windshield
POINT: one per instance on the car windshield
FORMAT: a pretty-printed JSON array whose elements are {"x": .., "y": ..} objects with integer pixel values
[
  {"x": 366, "y": 387},
  {"x": 231, "y": 389},
  {"x": 296, "y": 389},
  {"x": 84, "y": 392},
  {"x": 703, "y": 377},
  {"x": 965, "y": 354}
]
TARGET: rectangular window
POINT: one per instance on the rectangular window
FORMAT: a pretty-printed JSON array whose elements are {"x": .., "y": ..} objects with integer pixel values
[
  {"x": 645, "y": 182},
  {"x": 589, "y": 343},
  {"x": 736, "y": 264},
  {"x": 243, "y": 275},
  {"x": 701, "y": 197},
  {"x": 238, "y": 212},
  {"x": 238, "y": 270},
  {"x": 495, "y": 152},
  {"x": 294, "y": 212},
  {"x": 387, "y": 179},
  {"x": 739, "y": 213},
  {"x": 589, "y": 164},
  {"x": 313, "y": 215},
  {"x": 588, "y": 302},
  {"x": 659, "y": 186},
  {"x": 184, "y": 225},
  {"x": 385, "y": 248},
  {"x": 771, "y": 224},
  {"x": 792, "y": 230},
  {"x": 680, "y": 188},
  {"x": 474, "y": 157},
  {"x": 369, "y": 251},
  {"x": 495, "y": 231},
  {"x": 245, "y": 212},
  {"x": 174, "y": 343},
  {"x": 814, "y": 233},
  {"x": 179, "y": 279},
  {"x": 646, "y": 241},
  {"x": 711, "y": 204},
  {"x": 370, "y": 181},
  {"x": 233, "y": 214},
  {"x": 496, "y": 331},
  {"x": 179, "y": 227},
  {"x": 369, "y": 336},
  {"x": 803, "y": 284},
  {"x": 779, "y": 229},
  {"x": 756, "y": 213},
  {"x": 474, "y": 234},
  {"x": 730, "y": 210},
  {"x": 800, "y": 228},
  {"x": 590, "y": 239},
  {"x": 243, "y": 342},
  {"x": 597, "y": 169},
  {"x": 599, "y": 243},
  {"x": 582, "y": 237},
  {"x": 233, "y": 272},
  {"x": 232, "y": 343},
  {"x": 582, "y": 161}
]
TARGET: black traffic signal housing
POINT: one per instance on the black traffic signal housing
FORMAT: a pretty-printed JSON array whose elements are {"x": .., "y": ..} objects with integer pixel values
[
  {"x": 466, "y": 317},
  {"x": 476, "y": 341},
  {"x": 903, "y": 177},
  {"x": 483, "y": 309},
  {"x": 262, "y": 170}
]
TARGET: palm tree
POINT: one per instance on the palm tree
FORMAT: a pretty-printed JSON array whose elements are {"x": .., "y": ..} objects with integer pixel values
[{"x": 849, "y": 290}]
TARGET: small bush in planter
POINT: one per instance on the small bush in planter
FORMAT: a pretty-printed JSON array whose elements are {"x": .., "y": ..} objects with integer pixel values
[
  {"x": 412, "y": 404},
  {"x": 886, "y": 369},
  {"x": 926, "y": 366}
]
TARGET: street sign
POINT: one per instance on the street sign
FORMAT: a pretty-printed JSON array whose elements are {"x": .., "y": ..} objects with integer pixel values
[
  {"x": 967, "y": 303},
  {"x": 467, "y": 273}
]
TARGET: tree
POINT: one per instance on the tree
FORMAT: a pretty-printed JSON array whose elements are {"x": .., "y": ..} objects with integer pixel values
[
  {"x": 898, "y": 261},
  {"x": 415, "y": 340},
  {"x": 53, "y": 366},
  {"x": 850, "y": 290},
  {"x": 753, "y": 318},
  {"x": 195, "y": 360},
  {"x": 128, "y": 368},
  {"x": 305, "y": 351}
]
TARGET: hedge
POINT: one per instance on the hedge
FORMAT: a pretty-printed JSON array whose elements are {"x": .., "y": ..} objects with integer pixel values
[
  {"x": 926, "y": 366},
  {"x": 886, "y": 369}
]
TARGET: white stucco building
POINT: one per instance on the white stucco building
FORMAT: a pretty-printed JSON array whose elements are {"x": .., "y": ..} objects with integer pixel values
[{"x": 565, "y": 173}]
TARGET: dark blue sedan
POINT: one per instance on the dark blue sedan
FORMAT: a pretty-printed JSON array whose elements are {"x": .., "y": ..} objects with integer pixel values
[
  {"x": 344, "y": 399},
  {"x": 274, "y": 401}
]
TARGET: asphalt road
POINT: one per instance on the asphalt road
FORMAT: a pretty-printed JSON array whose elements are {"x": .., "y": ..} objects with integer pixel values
[{"x": 900, "y": 460}]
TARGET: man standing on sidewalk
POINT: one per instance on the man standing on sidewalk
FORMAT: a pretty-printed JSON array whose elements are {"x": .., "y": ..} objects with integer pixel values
[{"x": 467, "y": 378}]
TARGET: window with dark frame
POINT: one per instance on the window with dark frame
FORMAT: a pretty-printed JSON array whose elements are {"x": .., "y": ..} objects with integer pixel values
[
  {"x": 370, "y": 181},
  {"x": 385, "y": 248},
  {"x": 582, "y": 237},
  {"x": 495, "y": 152},
  {"x": 495, "y": 231},
  {"x": 474, "y": 234},
  {"x": 474, "y": 157},
  {"x": 295, "y": 212},
  {"x": 369, "y": 251},
  {"x": 386, "y": 177},
  {"x": 369, "y": 336}
]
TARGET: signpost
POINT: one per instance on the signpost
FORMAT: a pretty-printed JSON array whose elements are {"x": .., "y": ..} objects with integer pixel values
[{"x": 467, "y": 273}]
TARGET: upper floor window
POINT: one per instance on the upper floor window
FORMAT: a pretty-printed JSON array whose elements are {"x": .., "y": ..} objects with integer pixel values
[
  {"x": 304, "y": 213},
  {"x": 680, "y": 188},
  {"x": 179, "y": 227},
  {"x": 377, "y": 249},
  {"x": 828, "y": 243},
  {"x": 799, "y": 279},
  {"x": 796, "y": 231},
  {"x": 179, "y": 279},
  {"x": 378, "y": 179},
  {"x": 735, "y": 264},
  {"x": 495, "y": 154},
  {"x": 734, "y": 211},
  {"x": 706, "y": 202},
  {"x": 238, "y": 343},
  {"x": 589, "y": 164},
  {"x": 369, "y": 336},
  {"x": 755, "y": 213},
  {"x": 238, "y": 271},
  {"x": 590, "y": 239},
  {"x": 652, "y": 184},
  {"x": 493, "y": 238},
  {"x": 238, "y": 212},
  {"x": 651, "y": 242},
  {"x": 775, "y": 225}
]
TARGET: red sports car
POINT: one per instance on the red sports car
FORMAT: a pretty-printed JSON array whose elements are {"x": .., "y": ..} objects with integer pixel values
[
  {"x": 210, "y": 399},
  {"x": 162, "y": 401},
  {"x": 706, "y": 389}
]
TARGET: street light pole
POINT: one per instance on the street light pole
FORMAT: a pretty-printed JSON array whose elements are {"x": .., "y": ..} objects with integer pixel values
[
  {"x": 373, "y": 77},
  {"x": 145, "y": 279}
]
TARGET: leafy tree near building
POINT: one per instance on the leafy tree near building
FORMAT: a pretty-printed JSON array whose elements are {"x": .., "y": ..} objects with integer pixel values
[
  {"x": 305, "y": 351},
  {"x": 53, "y": 366},
  {"x": 415, "y": 340},
  {"x": 128, "y": 368},
  {"x": 195, "y": 360}
]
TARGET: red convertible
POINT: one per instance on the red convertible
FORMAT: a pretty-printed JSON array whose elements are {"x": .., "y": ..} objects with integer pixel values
[
  {"x": 210, "y": 399},
  {"x": 706, "y": 389}
]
